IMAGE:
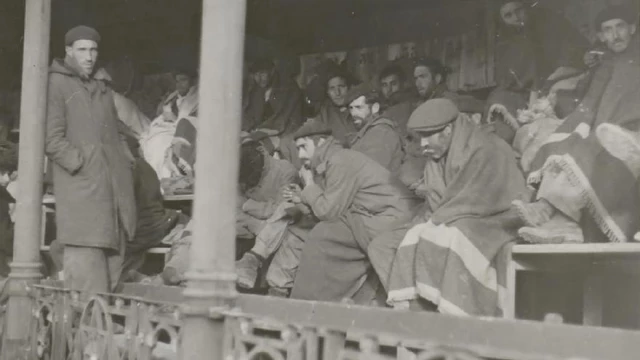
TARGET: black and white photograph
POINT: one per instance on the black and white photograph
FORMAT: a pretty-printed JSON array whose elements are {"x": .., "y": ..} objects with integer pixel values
[{"x": 319, "y": 180}]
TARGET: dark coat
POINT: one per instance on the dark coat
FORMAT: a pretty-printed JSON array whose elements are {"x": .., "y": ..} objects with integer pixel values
[
  {"x": 338, "y": 120},
  {"x": 380, "y": 141},
  {"x": 92, "y": 166},
  {"x": 282, "y": 112},
  {"x": 526, "y": 58}
]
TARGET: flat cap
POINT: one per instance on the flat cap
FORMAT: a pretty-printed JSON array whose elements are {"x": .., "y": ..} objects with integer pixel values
[
  {"x": 310, "y": 128},
  {"x": 433, "y": 115},
  {"x": 622, "y": 12},
  {"x": 364, "y": 89},
  {"x": 81, "y": 32}
]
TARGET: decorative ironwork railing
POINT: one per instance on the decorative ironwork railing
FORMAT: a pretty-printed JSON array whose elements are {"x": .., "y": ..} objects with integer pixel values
[{"x": 143, "y": 323}]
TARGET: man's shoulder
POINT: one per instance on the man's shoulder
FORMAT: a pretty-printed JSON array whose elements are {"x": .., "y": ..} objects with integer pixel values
[{"x": 382, "y": 127}]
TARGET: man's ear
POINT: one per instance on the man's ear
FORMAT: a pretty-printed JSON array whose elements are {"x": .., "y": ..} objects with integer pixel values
[
  {"x": 632, "y": 29},
  {"x": 67, "y": 50},
  {"x": 600, "y": 35},
  {"x": 321, "y": 141},
  {"x": 375, "y": 108},
  {"x": 438, "y": 79},
  {"x": 448, "y": 130}
]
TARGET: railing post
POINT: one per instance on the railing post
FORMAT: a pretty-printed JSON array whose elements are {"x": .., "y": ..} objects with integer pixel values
[
  {"x": 211, "y": 278},
  {"x": 25, "y": 268}
]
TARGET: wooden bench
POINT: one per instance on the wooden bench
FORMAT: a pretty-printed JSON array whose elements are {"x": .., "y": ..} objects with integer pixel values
[
  {"x": 589, "y": 261},
  {"x": 171, "y": 201}
]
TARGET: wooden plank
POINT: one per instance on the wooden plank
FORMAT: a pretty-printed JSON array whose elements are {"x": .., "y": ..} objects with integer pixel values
[
  {"x": 599, "y": 248},
  {"x": 51, "y": 200}
]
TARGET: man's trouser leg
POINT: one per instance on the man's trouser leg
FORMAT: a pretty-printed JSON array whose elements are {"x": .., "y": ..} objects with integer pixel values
[
  {"x": 382, "y": 252},
  {"x": 285, "y": 263},
  {"x": 92, "y": 270},
  {"x": 332, "y": 264}
]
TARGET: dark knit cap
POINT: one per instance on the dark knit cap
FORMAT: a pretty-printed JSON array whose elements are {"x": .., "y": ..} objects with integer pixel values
[
  {"x": 622, "y": 12},
  {"x": 310, "y": 128},
  {"x": 364, "y": 89},
  {"x": 81, "y": 33}
]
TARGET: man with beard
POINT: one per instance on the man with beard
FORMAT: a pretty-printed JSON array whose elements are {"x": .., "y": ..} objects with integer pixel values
[
  {"x": 92, "y": 168},
  {"x": 575, "y": 199},
  {"x": 354, "y": 198},
  {"x": 377, "y": 136}
]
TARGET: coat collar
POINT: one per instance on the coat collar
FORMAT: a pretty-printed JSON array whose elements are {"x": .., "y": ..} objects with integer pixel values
[{"x": 323, "y": 154}]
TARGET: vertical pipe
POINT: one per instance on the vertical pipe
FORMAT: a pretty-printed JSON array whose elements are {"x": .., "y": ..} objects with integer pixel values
[
  {"x": 25, "y": 268},
  {"x": 211, "y": 277}
]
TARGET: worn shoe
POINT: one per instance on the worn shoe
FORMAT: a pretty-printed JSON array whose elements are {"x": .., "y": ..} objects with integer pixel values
[
  {"x": 559, "y": 230},
  {"x": 533, "y": 214},
  {"x": 247, "y": 269}
]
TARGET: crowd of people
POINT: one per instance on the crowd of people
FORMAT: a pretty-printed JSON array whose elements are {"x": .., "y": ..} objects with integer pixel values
[{"x": 399, "y": 193}]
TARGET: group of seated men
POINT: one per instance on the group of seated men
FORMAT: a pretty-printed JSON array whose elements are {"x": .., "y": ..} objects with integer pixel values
[
  {"x": 419, "y": 208},
  {"x": 394, "y": 195}
]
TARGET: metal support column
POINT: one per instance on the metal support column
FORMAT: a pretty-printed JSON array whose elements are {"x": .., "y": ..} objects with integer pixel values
[
  {"x": 211, "y": 278},
  {"x": 25, "y": 268}
]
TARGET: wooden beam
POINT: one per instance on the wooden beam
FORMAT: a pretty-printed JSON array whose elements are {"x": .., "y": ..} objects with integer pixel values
[{"x": 211, "y": 277}]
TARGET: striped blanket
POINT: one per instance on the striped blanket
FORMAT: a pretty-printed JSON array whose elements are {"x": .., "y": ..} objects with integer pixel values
[
  {"x": 455, "y": 259},
  {"x": 609, "y": 212}
]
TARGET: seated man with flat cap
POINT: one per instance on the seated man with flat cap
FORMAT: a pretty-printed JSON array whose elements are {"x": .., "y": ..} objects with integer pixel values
[
  {"x": 376, "y": 135},
  {"x": 447, "y": 258},
  {"x": 353, "y": 198}
]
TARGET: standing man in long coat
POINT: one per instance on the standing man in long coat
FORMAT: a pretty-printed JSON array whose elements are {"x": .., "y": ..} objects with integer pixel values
[{"x": 92, "y": 168}]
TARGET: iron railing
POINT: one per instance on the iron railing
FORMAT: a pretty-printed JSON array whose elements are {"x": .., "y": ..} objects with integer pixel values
[{"x": 144, "y": 323}]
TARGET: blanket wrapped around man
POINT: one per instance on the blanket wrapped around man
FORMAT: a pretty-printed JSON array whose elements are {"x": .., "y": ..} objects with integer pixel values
[
  {"x": 606, "y": 186},
  {"x": 457, "y": 258}
]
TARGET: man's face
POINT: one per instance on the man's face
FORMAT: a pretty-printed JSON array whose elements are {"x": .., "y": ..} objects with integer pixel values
[
  {"x": 390, "y": 85},
  {"x": 424, "y": 80},
  {"x": 436, "y": 145},
  {"x": 183, "y": 84},
  {"x": 85, "y": 54},
  {"x": 306, "y": 148},
  {"x": 262, "y": 78},
  {"x": 361, "y": 112},
  {"x": 513, "y": 14},
  {"x": 616, "y": 34},
  {"x": 337, "y": 90}
]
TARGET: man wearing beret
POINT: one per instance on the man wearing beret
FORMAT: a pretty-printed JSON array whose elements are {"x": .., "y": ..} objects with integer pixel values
[
  {"x": 447, "y": 257},
  {"x": 354, "y": 198},
  {"x": 572, "y": 172},
  {"x": 92, "y": 168},
  {"x": 377, "y": 136}
]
